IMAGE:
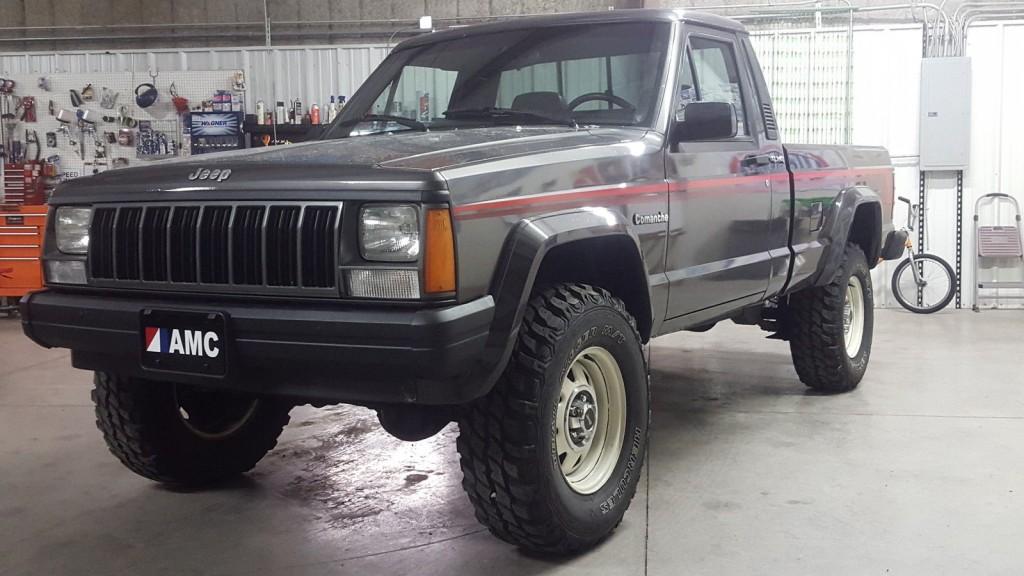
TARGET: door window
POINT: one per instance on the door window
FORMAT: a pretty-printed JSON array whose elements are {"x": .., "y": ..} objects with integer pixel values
[{"x": 709, "y": 73}]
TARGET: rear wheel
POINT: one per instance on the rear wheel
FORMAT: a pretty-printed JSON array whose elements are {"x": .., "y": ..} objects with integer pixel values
[
  {"x": 937, "y": 288},
  {"x": 830, "y": 327},
  {"x": 183, "y": 434},
  {"x": 551, "y": 457}
]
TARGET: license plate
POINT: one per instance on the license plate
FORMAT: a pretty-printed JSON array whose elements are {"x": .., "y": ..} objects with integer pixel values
[{"x": 177, "y": 341}]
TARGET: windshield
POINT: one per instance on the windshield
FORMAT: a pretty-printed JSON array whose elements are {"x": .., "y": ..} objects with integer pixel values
[{"x": 605, "y": 74}]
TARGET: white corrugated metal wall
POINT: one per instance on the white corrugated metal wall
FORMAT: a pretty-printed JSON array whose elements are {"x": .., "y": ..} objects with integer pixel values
[
  {"x": 312, "y": 74},
  {"x": 997, "y": 149},
  {"x": 806, "y": 71}
]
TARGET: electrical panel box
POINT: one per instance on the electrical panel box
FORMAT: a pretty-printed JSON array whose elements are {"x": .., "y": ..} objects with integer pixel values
[{"x": 945, "y": 113}]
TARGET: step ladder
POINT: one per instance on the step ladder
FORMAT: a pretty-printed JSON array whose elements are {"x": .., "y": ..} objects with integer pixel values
[{"x": 998, "y": 247}]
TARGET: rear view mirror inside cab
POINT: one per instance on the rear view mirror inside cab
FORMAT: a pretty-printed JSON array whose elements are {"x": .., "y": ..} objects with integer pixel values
[{"x": 705, "y": 121}]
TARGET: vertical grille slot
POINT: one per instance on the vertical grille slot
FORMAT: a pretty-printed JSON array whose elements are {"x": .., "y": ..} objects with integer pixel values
[
  {"x": 214, "y": 240},
  {"x": 126, "y": 243},
  {"x": 154, "y": 244},
  {"x": 247, "y": 245},
  {"x": 182, "y": 240},
  {"x": 101, "y": 240},
  {"x": 282, "y": 246},
  {"x": 317, "y": 246}
]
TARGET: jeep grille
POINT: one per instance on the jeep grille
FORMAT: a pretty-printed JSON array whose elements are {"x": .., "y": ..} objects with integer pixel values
[{"x": 216, "y": 246}]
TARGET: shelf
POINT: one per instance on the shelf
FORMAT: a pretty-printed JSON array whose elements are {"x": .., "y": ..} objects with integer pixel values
[{"x": 284, "y": 129}]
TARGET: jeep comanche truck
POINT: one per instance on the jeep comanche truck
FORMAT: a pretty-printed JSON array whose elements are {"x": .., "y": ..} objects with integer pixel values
[{"x": 500, "y": 220}]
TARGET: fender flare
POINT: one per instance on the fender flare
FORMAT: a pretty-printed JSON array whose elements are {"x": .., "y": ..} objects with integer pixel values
[
  {"x": 838, "y": 230},
  {"x": 524, "y": 251}
]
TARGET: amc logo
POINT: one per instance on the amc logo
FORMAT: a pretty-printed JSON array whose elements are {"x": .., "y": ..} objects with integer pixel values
[{"x": 182, "y": 342}]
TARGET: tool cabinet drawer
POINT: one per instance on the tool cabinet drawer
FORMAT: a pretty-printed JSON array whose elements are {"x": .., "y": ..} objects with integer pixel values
[
  {"x": 19, "y": 235},
  {"x": 19, "y": 273},
  {"x": 19, "y": 251},
  {"x": 14, "y": 220}
]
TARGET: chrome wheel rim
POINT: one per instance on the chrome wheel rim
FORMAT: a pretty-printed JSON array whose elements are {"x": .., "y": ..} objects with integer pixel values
[
  {"x": 853, "y": 316},
  {"x": 590, "y": 421}
]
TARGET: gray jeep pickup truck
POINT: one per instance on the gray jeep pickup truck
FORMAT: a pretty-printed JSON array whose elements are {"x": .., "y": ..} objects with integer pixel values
[{"x": 499, "y": 221}]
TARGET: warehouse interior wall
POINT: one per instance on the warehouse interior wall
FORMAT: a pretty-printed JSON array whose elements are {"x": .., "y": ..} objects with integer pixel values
[
  {"x": 240, "y": 22},
  {"x": 131, "y": 24}
]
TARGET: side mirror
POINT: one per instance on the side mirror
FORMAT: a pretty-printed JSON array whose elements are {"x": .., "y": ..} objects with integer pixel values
[{"x": 706, "y": 121}]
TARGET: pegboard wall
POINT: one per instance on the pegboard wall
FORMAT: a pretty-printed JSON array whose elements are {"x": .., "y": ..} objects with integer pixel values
[{"x": 196, "y": 86}]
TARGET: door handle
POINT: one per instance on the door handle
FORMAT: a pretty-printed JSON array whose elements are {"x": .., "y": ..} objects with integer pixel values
[{"x": 766, "y": 159}]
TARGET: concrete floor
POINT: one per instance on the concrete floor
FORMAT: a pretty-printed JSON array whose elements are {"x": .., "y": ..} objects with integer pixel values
[{"x": 920, "y": 471}]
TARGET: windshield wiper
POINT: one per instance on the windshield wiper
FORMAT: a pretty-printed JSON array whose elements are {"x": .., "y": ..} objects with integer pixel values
[
  {"x": 507, "y": 114},
  {"x": 407, "y": 122}
]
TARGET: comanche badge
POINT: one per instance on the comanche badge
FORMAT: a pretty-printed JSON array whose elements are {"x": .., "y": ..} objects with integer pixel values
[{"x": 656, "y": 218}]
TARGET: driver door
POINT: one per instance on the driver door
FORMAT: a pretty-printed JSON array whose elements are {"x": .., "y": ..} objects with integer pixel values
[{"x": 720, "y": 200}]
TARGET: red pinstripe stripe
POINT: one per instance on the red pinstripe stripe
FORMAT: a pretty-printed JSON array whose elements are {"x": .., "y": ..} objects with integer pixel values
[
  {"x": 511, "y": 205},
  {"x": 559, "y": 197}
]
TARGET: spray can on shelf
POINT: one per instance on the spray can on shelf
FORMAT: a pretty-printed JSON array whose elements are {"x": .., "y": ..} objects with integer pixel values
[
  {"x": 261, "y": 112},
  {"x": 279, "y": 115},
  {"x": 297, "y": 111},
  {"x": 424, "y": 106},
  {"x": 314, "y": 114},
  {"x": 331, "y": 112}
]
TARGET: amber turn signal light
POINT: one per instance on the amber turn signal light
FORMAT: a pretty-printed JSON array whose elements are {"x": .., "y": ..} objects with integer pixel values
[{"x": 439, "y": 263}]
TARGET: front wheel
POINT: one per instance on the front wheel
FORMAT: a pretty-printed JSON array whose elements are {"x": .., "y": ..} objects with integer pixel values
[
  {"x": 935, "y": 290},
  {"x": 551, "y": 457},
  {"x": 185, "y": 435}
]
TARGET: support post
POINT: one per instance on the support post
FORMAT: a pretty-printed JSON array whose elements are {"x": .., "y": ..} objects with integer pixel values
[{"x": 959, "y": 232}]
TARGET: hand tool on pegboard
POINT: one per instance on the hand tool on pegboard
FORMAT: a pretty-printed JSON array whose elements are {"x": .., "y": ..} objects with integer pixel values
[
  {"x": 28, "y": 109},
  {"x": 32, "y": 141}
]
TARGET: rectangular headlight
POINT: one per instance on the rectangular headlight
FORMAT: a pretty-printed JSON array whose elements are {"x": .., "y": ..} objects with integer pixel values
[
  {"x": 389, "y": 233},
  {"x": 73, "y": 229}
]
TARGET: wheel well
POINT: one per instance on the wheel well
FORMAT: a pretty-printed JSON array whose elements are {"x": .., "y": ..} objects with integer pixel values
[
  {"x": 866, "y": 231},
  {"x": 611, "y": 262}
]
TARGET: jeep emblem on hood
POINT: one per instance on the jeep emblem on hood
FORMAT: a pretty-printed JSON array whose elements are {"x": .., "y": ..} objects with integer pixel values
[{"x": 207, "y": 174}]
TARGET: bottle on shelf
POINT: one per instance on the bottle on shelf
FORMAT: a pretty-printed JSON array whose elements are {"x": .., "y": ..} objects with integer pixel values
[
  {"x": 261, "y": 112},
  {"x": 279, "y": 114},
  {"x": 341, "y": 104}
]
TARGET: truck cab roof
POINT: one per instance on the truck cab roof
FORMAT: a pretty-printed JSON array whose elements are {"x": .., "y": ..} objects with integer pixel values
[{"x": 597, "y": 17}]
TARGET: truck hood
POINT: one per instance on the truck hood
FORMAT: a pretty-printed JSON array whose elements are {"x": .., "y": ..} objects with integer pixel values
[{"x": 395, "y": 163}]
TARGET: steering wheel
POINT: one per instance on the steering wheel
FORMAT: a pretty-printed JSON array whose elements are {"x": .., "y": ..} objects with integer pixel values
[{"x": 602, "y": 97}]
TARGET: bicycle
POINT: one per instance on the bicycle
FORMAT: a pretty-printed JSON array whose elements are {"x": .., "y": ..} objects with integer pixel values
[{"x": 930, "y": 284}]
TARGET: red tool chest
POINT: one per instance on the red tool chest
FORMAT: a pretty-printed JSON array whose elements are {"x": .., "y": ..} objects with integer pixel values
[{"x": 21, "y": 242}]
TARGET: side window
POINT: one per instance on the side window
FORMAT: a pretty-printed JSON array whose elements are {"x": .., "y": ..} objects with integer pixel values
[{"x": 710, "y": 73}]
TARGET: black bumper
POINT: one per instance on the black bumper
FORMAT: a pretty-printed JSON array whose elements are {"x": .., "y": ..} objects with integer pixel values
[
  {"x": 314, "y": 352},
  {"x": 895, "y": 244}
]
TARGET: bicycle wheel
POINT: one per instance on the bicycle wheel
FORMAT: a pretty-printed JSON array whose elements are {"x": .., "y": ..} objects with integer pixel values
[{"x": 938, "y": 288}]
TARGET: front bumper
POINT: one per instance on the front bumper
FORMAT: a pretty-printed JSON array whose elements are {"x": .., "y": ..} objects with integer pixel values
[{"x": 315, "y": 352}]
